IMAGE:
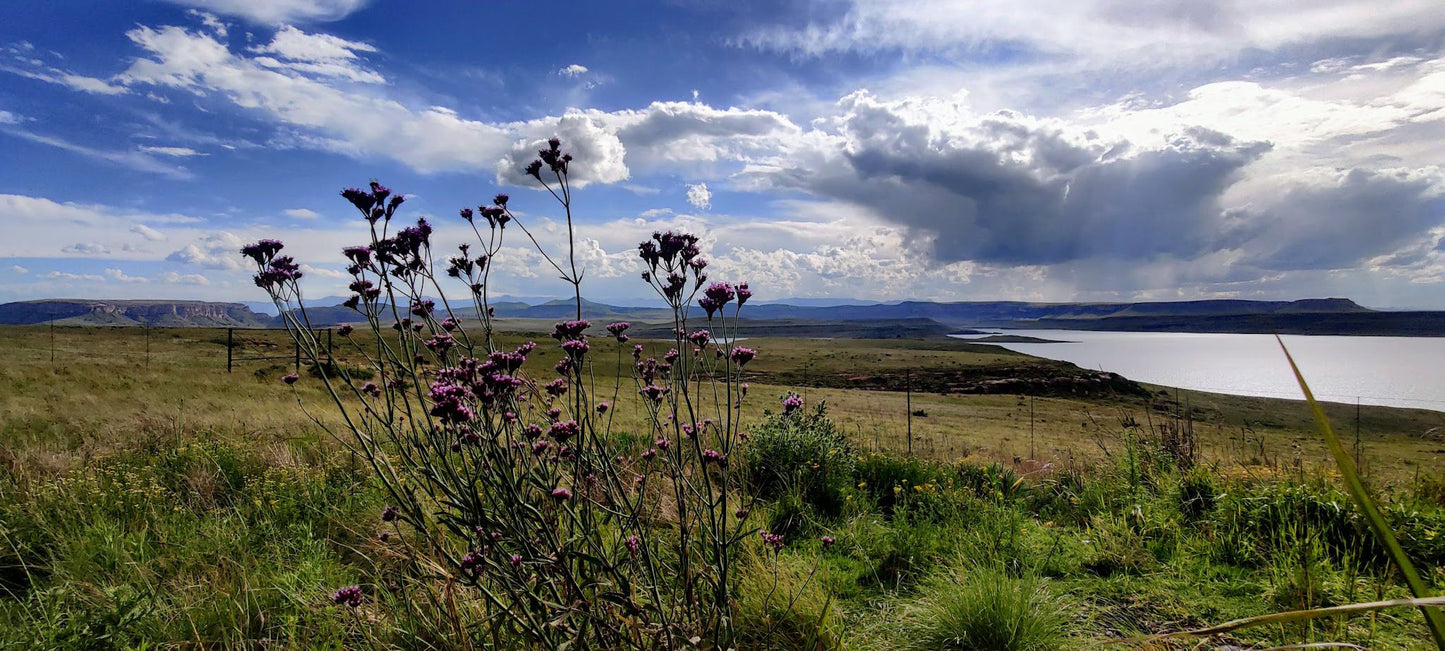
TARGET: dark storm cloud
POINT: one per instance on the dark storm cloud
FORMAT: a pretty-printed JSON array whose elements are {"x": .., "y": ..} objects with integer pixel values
[
  {"x": 1005, "y": 189},
  {"x": 1360, "y": 216}
]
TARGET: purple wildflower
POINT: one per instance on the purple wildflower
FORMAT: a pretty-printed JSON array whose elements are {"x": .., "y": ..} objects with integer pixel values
[{"x": 347, "y": 596}]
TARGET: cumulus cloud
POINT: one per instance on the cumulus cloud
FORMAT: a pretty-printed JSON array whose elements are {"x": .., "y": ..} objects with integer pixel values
[
  {"x": 217, "y": 250},
  {"x": 120, "y": 276},
  {"x": 699, "y": 196},
  {"x": 573, "y": 71},
  {"x": 175, "y": 278},
  {"x": 6, "y": 117},
  {"x": 276, "y": 12},
  {"x": 322, "y": 55},
  {"x": 1008, "y": 188}
]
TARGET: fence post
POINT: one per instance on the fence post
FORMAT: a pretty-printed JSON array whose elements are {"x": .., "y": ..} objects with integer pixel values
[
  {"x": 908, "y": 405},
  {"x": 1031, "y": 427},
  {"x": 230, "y": 347}
]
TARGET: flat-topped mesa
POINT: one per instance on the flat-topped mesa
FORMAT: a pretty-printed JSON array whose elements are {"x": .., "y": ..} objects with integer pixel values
[{"x": 131, "y": 313}]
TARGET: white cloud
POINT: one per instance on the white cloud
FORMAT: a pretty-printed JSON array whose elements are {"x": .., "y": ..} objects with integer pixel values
[
  {"x": 82, "y": 83},
  {"x": 174, "y": 152},
  {"x": 120, "y": 276},
  {"x": 322, "y": 55},
  {"x": 6, "y": 117},
  {"x": 175, "y": 278},
  {"x": 219, "y": 250},
  {"x": 699, "y": 196},
  {"x": 301, "y": 213},
  {"x": 1098, "y": 32},
  {"x": 573, "y": 71},
  {"x": 210, "y": 21},
  {"x": 354, "y": 123},
  {"x": 275, "y": 12},
  {"x": 135, "y": 160},
  {"x": 148, "y": 233},
  {"x": 65, "y": 275},
  {"x": 86, "y": 248},
  {"x": 17, "y": 269}
]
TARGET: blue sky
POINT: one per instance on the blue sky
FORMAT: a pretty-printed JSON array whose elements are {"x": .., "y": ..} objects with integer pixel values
[{"x": 1049, "y": 150}]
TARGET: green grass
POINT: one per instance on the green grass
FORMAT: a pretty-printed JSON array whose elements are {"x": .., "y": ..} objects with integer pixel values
[{"x": 178, "y": 504}]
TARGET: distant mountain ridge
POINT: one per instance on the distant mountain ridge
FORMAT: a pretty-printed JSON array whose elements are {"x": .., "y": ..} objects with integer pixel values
[{"x": 1306, "y": 316}]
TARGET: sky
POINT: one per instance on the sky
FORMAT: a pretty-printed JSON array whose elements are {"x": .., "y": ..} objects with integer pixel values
[{"x": 1051, "y": 150}]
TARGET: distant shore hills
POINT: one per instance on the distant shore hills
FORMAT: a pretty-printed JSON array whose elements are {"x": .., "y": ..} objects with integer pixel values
[{"x": 907, "y": 319}]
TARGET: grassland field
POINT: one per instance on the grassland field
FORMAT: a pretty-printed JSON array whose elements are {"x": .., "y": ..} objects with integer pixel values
[{"x": 150, "y": 497}]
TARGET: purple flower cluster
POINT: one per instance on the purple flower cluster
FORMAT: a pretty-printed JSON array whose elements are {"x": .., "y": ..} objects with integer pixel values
[
  {"x": 716, "y": 296},
  {"x": 290, "y": 378},
  {"x": 390, "y": 514},
  {"x": 374, "y": 205},
  {"x": 772, "y": 540},
  {"x": 347, "y": 596},
  {"x": 440, "y": 343},
  {"x": 564, "y": 430},
  {"x": 617, "y": 330},
  {"x": 713, "y": 456},
  {"x": 486, "y": 381},
  {"x": 741, "y": 356},
  {"x": 700, "y": 338},
  {"x": 552, "y": 157},
  {"x": 496, "y": 214},
  {"x": 561, "y": 494},
  {"x": 449, "y": 403},
  {"x": 791, "y": 403},
  {"x": 276, "y": 270},
  {"x": 827, "y": 542},
  {"x": 263, "y": 251}
]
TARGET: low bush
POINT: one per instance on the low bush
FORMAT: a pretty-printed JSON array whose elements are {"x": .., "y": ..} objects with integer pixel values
[{"x": 803, "y": 454}]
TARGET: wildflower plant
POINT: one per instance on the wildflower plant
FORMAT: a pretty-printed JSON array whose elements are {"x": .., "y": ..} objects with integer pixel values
[{"x": 506, "y": 471}]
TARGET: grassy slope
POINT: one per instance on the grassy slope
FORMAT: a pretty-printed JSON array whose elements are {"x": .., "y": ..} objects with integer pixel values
[{"x": 297, "y": 523}]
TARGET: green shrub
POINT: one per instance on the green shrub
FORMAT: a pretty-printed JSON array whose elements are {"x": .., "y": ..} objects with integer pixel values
[
  {"x": 993, "y": 481},
  {"x": 986, "y": 609},
  {"x": 891, "y": 480},
  {"x": 803, "y": 452},
  {"x": 1198, "y": 495}
]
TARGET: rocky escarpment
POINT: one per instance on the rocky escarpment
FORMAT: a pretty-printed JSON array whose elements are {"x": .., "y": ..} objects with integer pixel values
[{"x": 132, "y": 313}]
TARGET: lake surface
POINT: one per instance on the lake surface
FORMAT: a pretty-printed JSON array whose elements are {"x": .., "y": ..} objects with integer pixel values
[{"x": 1392, "y": 371}]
